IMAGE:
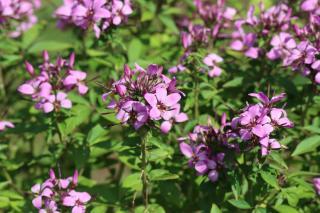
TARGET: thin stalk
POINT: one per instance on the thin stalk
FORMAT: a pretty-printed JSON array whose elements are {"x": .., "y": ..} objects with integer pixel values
[
  {"x": 196, "y": 97},
  {"x": 2, "y": 88},
  {"x": 144, "y": 163}
]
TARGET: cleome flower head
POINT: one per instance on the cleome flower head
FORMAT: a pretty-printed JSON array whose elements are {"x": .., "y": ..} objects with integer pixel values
[
  {"x": 50, "y": 87},
  {"x": 98, "y": 15},
  {"x": 57, "y": 193},
  {"x": 145, "y": 96}
]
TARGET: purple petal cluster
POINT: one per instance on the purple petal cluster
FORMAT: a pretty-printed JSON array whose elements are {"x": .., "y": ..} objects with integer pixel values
[
  {"x": 96, "y": 14},
  {"x": 50, "y": 87},
  {"x": 275, "y": 19},
  {"x": 257, "y": 122},
  {"x": 17, "y": 16},
  {"x": 55, "y": 194},
  {"x": 144, "y": 97},
  {"x": 216, "y": 19},
  {"x": 207, "y": 146},
  {"x": 316, "y": 184},
  {"x": 5, "y": 124}
]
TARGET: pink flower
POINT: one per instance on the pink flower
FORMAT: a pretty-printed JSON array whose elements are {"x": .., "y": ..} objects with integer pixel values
[
  {"x": 5, "y": 124},
  {"x": 41, "y": 190},
  {"x": 76, "y": 78},
  {"x": 133, "y": 111},
  {"x": 77, "y": 200},
  {"x": 282, "y": 45},
  {"x": 161, "y": 103},
  {"x": 176, "y": 116},
  {"x": 211, "y": 61},
  {"x": 49, "y": 88},
  {"x": 310, "y": 5},
  {"x": 98, "y": 14},
  {"x": 266, "y": 144},
  {"x": 246, "y": 44},
  {"x": 55, "y": 102},
  {"x": 145, "y": 96},
  {"x": 316, "y": 184}
]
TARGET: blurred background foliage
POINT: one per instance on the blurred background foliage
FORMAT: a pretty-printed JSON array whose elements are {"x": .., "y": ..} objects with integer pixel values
[{"x": 107, "y": 154}]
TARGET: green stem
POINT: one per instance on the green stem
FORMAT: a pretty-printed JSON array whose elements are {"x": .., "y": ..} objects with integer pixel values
[
  {"x": 196, "y": 97},
  {"x": 2, "y": 88},
  {"x": 144, "y": 162}
]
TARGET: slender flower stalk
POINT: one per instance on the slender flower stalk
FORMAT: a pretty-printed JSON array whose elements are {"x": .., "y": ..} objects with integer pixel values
[{"x": 144, "y": 135}]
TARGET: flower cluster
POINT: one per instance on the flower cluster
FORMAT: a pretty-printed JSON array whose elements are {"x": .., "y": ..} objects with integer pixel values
[
  {"x": 316, "y": 184},
  {"x": 275, "y": 19},
  {"x": 257, "y": 122},
  {"x": 215, "y": 17},
  {"x": 145, "y": 96},
  {"x": 18, "y": 16},
  {"x": 49, "y": 88},
  {"x": 207, "y": 148},
  {"x": 96, "y": 14},
  {"x": 56, "y": 195},
  {"x": 5, "y": 124}
]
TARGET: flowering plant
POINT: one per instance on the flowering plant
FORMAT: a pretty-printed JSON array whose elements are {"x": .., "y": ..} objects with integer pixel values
[{"x": 169, "y": 106}]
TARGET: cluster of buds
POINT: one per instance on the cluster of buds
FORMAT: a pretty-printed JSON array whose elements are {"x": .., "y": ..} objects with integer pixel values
[
  {"x": 257, "y": 122},
  {"x": 5, "y": 124},
  {"x": 17, "y": 16},
  {"x": 143, "y": 97},
  {"x": 96, "y": 14},
  {"x": 58, "y": 195},
  {"x": 207, "y": 146},
  {"x": 50, "y": 86}
]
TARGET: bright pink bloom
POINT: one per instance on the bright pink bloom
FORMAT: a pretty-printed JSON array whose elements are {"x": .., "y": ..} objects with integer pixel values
[
  {"x": 211, "y": 61},
  {"x": 5, "y": 124},
  {"x": 76, "y": 200}
]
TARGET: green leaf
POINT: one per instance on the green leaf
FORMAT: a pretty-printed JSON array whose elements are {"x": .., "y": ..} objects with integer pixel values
[
  {"x": 215, "y": 209},
  {"x": 240, "y": 204},
  {"x": 307, "y": 145},
  {"x": 135, "y": 50},
  {"x": 234, "y": 82},
  {"x": 270, "y": 179},
  {"x": 285, "y": 209},
  {"x": 49, "y": 45},
  {"x": 161, "y": 174},
  {"x": 133, "y": 182},
  {"x": 4, "y": 202},
  {"x": 96, "y": 135}
]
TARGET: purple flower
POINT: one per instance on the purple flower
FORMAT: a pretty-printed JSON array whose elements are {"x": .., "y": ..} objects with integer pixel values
[
  {"x": 76, "y": 200},
  {"x": 5, "y": 124},
  {"x": 162, "y": 103},
  {"x": 175, "y": 117},
  {"x": 282, "y": 45},
  {"x": 54, "y": 193},
  {"x": 146, "y": 96},
  {"x": 41, "y": 190},
  {"x": 211, "y": 61},
  {"x": 76, "y": 78},
  {"x": 310, "y": 5},
  {"x": 245, "y": 43},
  {"x": 133, "y": 111},
  {"x": 257, "y": 122},
  {"x": 50, "y": 88},
  {"x": 316, "y": 184},
  {"x": 96, "y": 14},
  {"x": 18, "y": 15}
]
